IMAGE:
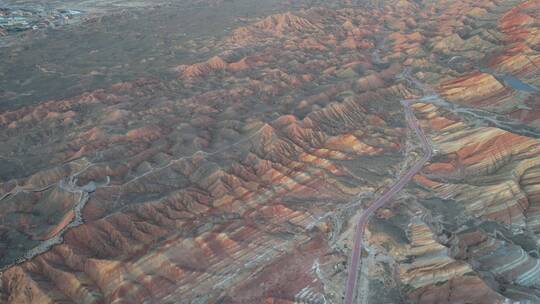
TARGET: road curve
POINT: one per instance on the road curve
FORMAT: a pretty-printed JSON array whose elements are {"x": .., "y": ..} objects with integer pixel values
[{"x": 352, "y": 278}]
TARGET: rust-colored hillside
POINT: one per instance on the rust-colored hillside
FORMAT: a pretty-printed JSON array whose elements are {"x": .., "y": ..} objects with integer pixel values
[{"x": 240, "y": 178}]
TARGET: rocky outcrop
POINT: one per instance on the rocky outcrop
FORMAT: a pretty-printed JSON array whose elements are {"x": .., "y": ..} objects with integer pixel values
[
  {"x": 479, "y": 89},
  {"x": 431, "y": 262},
  {"x": 491, "y": 173},
  {"x": 236, "y": 182},
  {"x": 210, "y": 186},
  {"x": 277, "y": 25},
  {"x": 467, "y": 288}
]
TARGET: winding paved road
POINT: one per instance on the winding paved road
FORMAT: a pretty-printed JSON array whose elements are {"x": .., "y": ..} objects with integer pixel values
[{"x": 352, "y": 278}]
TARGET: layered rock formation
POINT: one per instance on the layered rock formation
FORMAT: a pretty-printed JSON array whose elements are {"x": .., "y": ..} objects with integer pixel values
[
  {"x": 204, "y": 182},
  {"x": 239, "y": 180},
  {"x": 478, "y": 217}
]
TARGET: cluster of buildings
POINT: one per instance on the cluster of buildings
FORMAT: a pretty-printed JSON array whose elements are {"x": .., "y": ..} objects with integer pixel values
[{"x": 22, "y": 19}]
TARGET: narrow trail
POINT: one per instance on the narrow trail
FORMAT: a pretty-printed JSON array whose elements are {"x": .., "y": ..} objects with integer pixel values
[
  {"x": 195, "y": 154},
  {"x": 352, "y": 279},
  {"x": 69, "y": 184}
]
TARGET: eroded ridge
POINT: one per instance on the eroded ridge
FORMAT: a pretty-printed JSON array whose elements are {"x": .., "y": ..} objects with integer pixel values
[
  {"x": 235, "y": 169},
  {"x": 352, "y": 279}
]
